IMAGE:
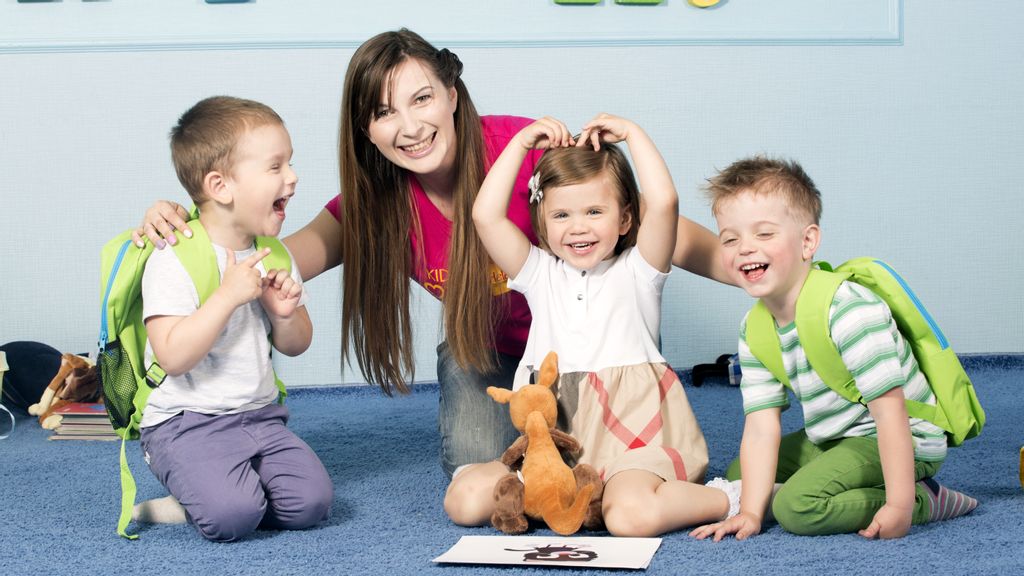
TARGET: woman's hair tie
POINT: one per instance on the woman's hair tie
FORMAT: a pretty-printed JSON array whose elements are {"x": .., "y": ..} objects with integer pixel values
[{"x": 449, "y": 66}]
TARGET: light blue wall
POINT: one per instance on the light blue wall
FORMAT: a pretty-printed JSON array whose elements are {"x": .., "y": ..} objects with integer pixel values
[{"x": 915, "y": 147}]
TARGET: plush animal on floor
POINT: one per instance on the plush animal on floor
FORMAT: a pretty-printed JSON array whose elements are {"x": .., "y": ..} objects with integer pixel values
[
  {"x": 564, "y": 498},
  {"x": 76, "y": 381}
]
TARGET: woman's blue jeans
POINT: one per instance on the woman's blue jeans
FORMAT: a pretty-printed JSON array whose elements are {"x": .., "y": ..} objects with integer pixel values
[{"x": 474, "y": 428}]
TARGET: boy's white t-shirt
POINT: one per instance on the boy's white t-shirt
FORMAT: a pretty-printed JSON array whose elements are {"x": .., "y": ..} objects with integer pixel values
[{"x": 237, "y": 374}]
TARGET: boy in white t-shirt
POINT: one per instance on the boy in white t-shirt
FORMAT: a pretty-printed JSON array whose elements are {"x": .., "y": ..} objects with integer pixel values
[{"x": 213, "y": 432}]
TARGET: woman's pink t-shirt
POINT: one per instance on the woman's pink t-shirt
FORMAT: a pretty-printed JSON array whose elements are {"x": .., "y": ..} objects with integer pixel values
[{"x": 513, "y": 327}]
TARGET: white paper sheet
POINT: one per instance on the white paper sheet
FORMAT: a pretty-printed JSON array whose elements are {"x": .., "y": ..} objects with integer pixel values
[{"x": 579, "y": 552}]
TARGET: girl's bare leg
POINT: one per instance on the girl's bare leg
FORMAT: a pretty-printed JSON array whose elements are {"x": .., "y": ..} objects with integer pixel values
[{"x": 638, "y": 503}]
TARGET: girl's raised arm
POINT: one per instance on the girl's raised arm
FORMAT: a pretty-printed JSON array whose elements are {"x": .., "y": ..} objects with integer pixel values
[
  {"x": 504, "y": 241},
  {"x": 656, "y": 239}
]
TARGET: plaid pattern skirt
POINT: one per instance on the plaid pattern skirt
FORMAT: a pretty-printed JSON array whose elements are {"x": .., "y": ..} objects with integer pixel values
[{"x": 633, "y": 418}]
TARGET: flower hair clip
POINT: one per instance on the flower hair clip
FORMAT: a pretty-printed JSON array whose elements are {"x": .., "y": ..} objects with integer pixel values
[{"x": 536, "y": 194}]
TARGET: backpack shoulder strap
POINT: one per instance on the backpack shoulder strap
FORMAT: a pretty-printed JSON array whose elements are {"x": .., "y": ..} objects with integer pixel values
[
  {"x": 278, "y": 259},
  {"x": 812, "y": 326},
  {"x": 199, "y": 259},
  {"x": 763, "y": 341}
]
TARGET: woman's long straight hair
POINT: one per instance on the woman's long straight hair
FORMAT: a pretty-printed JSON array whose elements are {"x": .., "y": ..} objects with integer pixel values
[{"x": 379, "y": 220}]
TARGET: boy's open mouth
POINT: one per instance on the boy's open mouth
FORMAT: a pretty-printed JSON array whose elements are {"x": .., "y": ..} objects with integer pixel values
[
  {"x": 753, "y": 271},
  {"x": 279, "y": 205}
]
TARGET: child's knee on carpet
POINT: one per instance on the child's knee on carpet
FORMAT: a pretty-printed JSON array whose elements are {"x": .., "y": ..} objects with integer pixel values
[
  {"x": 635, "y": 515},
  {"x": 796, "y": 512},
  {"x": 229, "y": 517},
  {"x": 469, "y": 500},
  {"x": 304, "y": 509}
]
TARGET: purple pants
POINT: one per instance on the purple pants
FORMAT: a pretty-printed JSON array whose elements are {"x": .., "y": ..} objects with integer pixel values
[{"x": 234, "y": 473}]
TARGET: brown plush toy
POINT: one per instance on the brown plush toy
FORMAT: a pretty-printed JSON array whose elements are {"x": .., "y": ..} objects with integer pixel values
[
  {"x": 75, "y": 381},
  {"x": 565, "y": 498}
]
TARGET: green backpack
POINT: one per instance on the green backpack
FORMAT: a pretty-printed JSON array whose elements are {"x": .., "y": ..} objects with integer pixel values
[
  {"x": 956, "y": 408},
  {"x": 127, "y": 382}
]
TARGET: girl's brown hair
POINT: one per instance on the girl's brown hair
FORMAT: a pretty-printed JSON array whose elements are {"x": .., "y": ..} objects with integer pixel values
[
  {"x": 575, "y": 165},
  {"x": 379, "y": 213}
]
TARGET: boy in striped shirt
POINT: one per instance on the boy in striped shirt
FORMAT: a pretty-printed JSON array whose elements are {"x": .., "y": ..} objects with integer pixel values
[{"x": 854, "y": 467}]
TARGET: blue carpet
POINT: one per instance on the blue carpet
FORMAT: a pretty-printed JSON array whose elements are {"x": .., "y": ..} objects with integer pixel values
[{"x": 59, "y": 501}]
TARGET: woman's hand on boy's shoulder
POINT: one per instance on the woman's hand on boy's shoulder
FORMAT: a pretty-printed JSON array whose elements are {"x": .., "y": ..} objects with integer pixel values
[
  {"x": 160, "y": 222},
  {"x": 545, "y": 133},
  {"x": 743, "y": 525}
]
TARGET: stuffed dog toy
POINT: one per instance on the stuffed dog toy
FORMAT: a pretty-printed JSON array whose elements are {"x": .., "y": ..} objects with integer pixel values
[
  {"x": 564, "y": 498},
  {"x": 76, "y": 381}
]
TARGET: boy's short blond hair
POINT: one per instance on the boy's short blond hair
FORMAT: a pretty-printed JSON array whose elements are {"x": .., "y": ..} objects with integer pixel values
[
  {"x": 762, "y": 175},
  {"x": 205, "y": 136}
]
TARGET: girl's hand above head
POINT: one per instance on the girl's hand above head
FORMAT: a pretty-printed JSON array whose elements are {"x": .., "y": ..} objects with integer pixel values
[
  {"x": 160, "y": 222},
  {"x": 604, "y": 128},
  {"x": 545, "y": 133}
]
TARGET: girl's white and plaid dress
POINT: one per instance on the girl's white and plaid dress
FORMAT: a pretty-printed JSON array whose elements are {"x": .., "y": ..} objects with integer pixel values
[{"x": 617, "y": 394}]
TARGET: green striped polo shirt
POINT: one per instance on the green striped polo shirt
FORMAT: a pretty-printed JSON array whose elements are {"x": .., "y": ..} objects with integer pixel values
[{"x": 874, "y": 352}]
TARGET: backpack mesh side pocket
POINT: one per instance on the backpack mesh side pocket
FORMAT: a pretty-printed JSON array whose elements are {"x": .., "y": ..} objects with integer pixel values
[{"x": 119, "y": 385}]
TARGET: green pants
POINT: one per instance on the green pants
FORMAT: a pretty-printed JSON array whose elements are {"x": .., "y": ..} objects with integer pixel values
[{"x": 835, "y": 487}]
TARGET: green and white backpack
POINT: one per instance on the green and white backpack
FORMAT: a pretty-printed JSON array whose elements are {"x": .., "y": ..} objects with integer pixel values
[
  {"x": 956, "y": 408},
  {"x": 127, "y": 381}
]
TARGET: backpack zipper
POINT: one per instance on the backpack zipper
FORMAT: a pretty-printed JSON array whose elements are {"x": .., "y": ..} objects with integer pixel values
[{"x": 106, "y": 295}]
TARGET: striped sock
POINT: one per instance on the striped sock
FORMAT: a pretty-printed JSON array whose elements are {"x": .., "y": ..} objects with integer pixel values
[{"x": 945, "y": 503}]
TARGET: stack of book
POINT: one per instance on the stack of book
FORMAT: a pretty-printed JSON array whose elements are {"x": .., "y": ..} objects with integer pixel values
[{"x": 83, "y": 421}]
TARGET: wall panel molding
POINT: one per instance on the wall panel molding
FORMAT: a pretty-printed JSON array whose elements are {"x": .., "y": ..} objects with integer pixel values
[{"x": 143, "y": 25}]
